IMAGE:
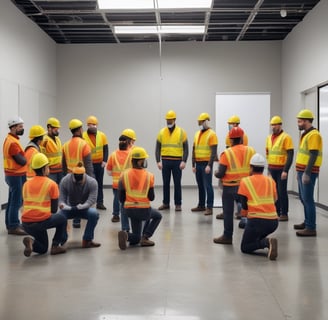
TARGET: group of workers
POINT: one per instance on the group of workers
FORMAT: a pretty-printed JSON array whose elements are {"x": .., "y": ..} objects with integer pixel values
[{"x": 70, "y": 177}]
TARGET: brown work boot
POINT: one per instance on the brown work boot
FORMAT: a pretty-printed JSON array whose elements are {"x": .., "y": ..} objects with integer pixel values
[
  {"x": 57, "y": 250},
  {"x": 178, "y": 208},
  {"x": 28, "y": 243},
  {"x": 222, "y": 240},
  {"x": 101, "y": 206},
  {"x": 145, "y": 242},
  {"x": 115, "y": 219},
  {"x": 19, "y": 231},
  {"x": 198, "y": 209},
  {"x": 208, "y": 212},
  {"x": 300, "y": 226},
  {"x": 273, "y": 248},
  {"x": 164, "y": 207},
  {"x": 122, "y": 239},
  {"x": 90, "y": 244},
  {"x": 283, "y": 217},
  {"x": 220, "y": 216},
  {"x": 237, "y": 215},
  {"x": 306, "y": 233}
]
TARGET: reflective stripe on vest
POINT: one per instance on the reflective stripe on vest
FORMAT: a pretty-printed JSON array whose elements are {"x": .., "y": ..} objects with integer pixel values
[
  {"x": 73, "y": 151},
  {"x": 171, "y": 143},
  {"x": 53, "y": 151},
  {"x": 9, "y": 164},
  {"x": 201, "y": 144},
  {"x": 276, "y": 154},
  {"x": 118, "y": 167},
  {"x": 97, "y": 153}
]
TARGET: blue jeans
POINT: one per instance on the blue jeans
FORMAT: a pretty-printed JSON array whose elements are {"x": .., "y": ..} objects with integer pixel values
[
  {"x": 119, "y": 210},
  {"x": 38, "y": 230},
  {"x": 228, "y": 202},
  {"x": 281, "y": 185},
  {"x": 255, "y": 234},
  {"x": 99, "y": 176},
  {"x": 306, "y": 192},
  {"x": 204, "y": 183},
  {"x": 91, "y": 215},
  {"x": 15, "y": 200},
  {"x": 171, "y": 166},
  {"x": 151, "y": 219}
]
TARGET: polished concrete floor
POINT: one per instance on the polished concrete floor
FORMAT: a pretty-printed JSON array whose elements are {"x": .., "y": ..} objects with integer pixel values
[{"x": 185, "y": 276}]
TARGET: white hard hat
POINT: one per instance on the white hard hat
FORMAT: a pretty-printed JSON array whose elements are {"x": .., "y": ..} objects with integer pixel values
[
  {"x": 258, "y": 160},
  {"x": 14, "y": 121}
]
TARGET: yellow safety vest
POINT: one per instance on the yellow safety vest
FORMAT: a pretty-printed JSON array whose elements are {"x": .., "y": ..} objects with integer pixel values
[
  {"x": 201, "y": 144},
  {"x": 172, "y": 143},
  {"x": 97, "y": 152},
  {"x": 53, "y": 151},
  {"x": 277, "y": 155}
]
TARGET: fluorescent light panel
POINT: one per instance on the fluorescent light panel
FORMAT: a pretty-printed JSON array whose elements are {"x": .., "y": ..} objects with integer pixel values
[
  {"x": 161, "y": 29},
  {"x": 149, "y": 4}
]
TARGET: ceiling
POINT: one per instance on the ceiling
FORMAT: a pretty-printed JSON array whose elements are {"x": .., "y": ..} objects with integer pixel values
[{"x": 80, "y": 21}]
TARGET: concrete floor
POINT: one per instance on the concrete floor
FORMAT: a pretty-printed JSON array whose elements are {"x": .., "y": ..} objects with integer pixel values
[{"x": 185, "y": 276}]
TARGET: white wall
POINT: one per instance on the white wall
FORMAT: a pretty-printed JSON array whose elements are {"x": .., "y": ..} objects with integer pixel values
[
  {"x": 28, "y": 74},
  {"x": 304, "y": 66},
  {"x": 130, "y": 85}
]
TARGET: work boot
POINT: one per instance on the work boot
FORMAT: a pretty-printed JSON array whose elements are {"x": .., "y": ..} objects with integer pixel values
[
  {"x": 300, "y": 226},
  {"x": 164, "y": 207},
  {"x": 122, "y": 239},
  {"x": 76, "y": 225},
  {"x": 28, "y": 243},
  {"x": 222, "y": 240},
  {"x": 273, "y": 248},
  {"x": 90, "y": 244},
  {"x": 178, "y": 208},
  {"x": 101, "y": 206},
  {"x": 57, "y": 250},
  {"x": 115, "y": 219},
  {"x": 145, "y": 242},
  {"x": 198, "y": 209},
  {"x": 237, "y": 215},
  {"x": 208, "y": 212},
  {"x": 283, "y": 217},
  {"x": 19, "y": 231},
  {"x": 306, "y": 233},
  {"x": 220, "y": 216}
]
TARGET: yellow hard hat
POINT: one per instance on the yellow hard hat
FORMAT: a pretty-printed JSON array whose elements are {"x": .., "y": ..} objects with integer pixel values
[
  {"x": 204, "y": 116},
  {"x": 234, "y": 119},
  {"x": 139, "y": 153},
  {"x": 74, "y": 124},
  {"x": 92, "y": 120},
  {"x": 276, "y": 120},
  {"x": 53, "y": 122},
  {"x": 170, "y": 115},
  {"x": 39, "y": 160},
  {"x": 37, "y": 131},
  {"x": 305, "y": 114},
  {"x": 129, "y": 133}
]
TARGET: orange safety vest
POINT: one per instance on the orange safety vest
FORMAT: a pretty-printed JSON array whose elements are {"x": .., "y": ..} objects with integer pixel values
[
  {"x": 53, "y": 151},
  {"x": 11, "y": 167},
  {"x": 202, "y": 144},
  {"x": 37, "y": 195},
  {"x": 118, "y": 161},
  {"x": 97, "y": 151},
  {"x": 29, "y": 154},
  {"x": 172, "y": 143},
  {"x": 237, "y": 159},
  {"x": 75, "y": 150},
  {"x": 260, "y": 192},
  {"x": 137, "y": 183}
]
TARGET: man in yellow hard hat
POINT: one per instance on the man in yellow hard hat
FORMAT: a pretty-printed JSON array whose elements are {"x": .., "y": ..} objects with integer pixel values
[
  {"x": 280, "y": 153},
  {"x": 52, "y": 148},
  {"x": 98, "y": 143},
  {"x": 234, "y": 121},
  {"x": 204, "y": 153},
  {"x": 15, "y": 167},
  {"x": 171, "y": 156},
  {"x": 308, "y": 162}
]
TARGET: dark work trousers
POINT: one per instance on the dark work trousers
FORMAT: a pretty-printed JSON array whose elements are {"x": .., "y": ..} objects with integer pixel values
[
  {"x": 99, "y": 176},
  {"x": 204, "y": 183},
  {"x": 151, "y": 219},
  {"x": 255, "y": 234},
  {"x": 38, "y": 230},
  {"x": 168, "y": 167},
  {"x": 228, "y": 200},
  {"x": 282, "y": 202}
]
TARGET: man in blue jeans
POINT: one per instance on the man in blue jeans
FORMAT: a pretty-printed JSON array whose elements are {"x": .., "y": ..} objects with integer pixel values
[{"x": 78, "y": 195}]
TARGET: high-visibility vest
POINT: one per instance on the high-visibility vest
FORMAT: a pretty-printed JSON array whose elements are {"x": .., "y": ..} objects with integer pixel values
[
  {"x": 29, "y": 154},
  {"x": 137, "y": 183},
  {"x": 303, "y": 153},
  {"x": 97, "y": 150},
  {"x": 228, "y": 142},
  {"x": 37, "y": 195},
  {"x": 11, "y": 167},
  {"x": 238, "y": 164},
  {"x": 118, "y": 161},
  {"x": 172, "y": 142},
  {"x": 260, "y": 192},
  {"x": 202, "y": 144},
  {"x": 53, "y": 151},
  {"x": 277, "y": 152},
  {"x": 75, "y": 150}
]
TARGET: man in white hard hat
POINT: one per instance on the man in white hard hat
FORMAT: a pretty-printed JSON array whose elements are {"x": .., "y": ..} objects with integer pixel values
[
  {"x": 258, "y": 194},
  {"x": 14, "y": 163}
]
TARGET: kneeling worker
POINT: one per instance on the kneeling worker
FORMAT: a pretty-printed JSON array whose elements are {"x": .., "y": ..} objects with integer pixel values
[{"x": 136, "y": 190}]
